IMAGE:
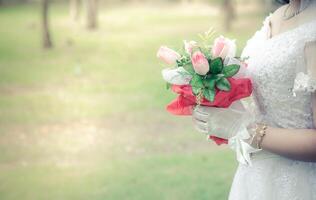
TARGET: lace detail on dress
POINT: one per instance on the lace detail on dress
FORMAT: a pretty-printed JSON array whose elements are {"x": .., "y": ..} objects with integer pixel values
[
  {"x": 274, "y": 65},
  {"x": 275, "y": 179},
  {"x": 304, "y": 83},
  {"x": 277, "y": 68},
  {"x": 258, "y": 39}
]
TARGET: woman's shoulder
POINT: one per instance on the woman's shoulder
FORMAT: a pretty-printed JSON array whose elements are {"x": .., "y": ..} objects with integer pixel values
[
  {"x": 280, "y": 10},
  {"x": 278, "y": 13},
  {"x": 308, "y": 15}
]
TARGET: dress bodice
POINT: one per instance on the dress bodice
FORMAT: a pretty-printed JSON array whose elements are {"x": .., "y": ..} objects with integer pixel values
[
  {"x": 281, "y": 81},
  {"x": 278, "y": 69}
]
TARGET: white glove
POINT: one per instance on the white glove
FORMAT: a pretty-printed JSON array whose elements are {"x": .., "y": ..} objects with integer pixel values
[
  {"x": 221, "y": 122},
  {"x": 228, "y": 123}
]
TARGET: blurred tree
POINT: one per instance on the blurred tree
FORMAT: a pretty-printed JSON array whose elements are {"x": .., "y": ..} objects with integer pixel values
[
  {"x": 75, "y": 9},
  {"x": 269, "y": 5},
  {"x": 229, "y": 13},
  {"x": 186, "y": 1},
  {"x": 92, "y": 14},
  {"x": 47, "y": 43}
]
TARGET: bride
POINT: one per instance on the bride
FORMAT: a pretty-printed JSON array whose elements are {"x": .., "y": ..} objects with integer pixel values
[{"x": 277, "y": 149}]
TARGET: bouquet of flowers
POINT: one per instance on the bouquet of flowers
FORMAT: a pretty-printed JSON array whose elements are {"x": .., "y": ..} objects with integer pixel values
[{"x": 206, "y": 73}]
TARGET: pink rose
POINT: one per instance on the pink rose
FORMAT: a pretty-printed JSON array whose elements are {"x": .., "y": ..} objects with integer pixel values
[
  {"x": 224, "y": 47},
  {"x": 167, "y": 55},
  {"x": 188, "y": 46},
  {"x": 200, "y": 63}
]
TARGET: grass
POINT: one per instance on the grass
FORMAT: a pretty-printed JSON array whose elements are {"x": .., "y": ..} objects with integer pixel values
[
  {"x": 175, "y": 176},
  {"x": 86, "y": 120}
]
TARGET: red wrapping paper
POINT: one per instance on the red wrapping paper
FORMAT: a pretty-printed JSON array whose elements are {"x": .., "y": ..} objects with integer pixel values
[{"x": 184, "y": 103}]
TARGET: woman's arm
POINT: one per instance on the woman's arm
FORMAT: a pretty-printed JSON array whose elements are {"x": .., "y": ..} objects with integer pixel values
[{"x": 298, "y": 144}]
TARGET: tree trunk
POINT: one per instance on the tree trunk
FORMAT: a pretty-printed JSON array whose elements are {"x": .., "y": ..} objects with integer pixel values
[
  {"x": 229, "y": 14},
  {"x": 74, "y": 9},
  {"x": 270, "y": 6},
  {"x": 47, "y": 43},
  {"x": 185, "y": 1},
  {"x": 92, "y": 14}
]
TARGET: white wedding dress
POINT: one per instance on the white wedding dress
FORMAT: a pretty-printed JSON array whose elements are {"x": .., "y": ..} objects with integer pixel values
[{"x": 277, "y": 68}]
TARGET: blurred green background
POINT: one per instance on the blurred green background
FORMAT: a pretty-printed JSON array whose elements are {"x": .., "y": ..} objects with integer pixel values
[{"x": 84, "y": 118}]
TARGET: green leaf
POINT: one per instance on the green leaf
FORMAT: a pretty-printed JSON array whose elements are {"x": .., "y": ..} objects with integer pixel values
[
  {"x": 206, "y": 52},
  {"x": 210, "y": 82},
  {"x": 183, "y": 61},
  {"x": 216, "y": 66},
  {"x": 223, "y": 84},
  {"x": 196, "y": 90},
  {"x": 219, "y": 76},
  {"x": 196, "y": 83},
  {"x": 230, "y": 70},
  {"x": 179, "y": 63},
  {"x": 209, "y": 94},
  {"x": 189, "y": 68}
]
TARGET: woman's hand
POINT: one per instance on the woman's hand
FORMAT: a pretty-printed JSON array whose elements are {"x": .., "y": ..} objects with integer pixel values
[
  {"x": 228, "y": 123},
  {"x": 221, "y": 122}
]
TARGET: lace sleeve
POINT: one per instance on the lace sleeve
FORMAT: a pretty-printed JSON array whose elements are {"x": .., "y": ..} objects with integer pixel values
[
  {"x": 304, "y": 83},
  {"x": 305, "y": 80}
]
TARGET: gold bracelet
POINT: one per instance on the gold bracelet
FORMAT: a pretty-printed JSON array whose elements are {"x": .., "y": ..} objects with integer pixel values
[{"x": 261, "y": 131}]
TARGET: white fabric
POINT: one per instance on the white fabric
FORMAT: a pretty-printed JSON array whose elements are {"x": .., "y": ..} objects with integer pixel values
[
  {"x": 176, "y": 76},
  {"x": 241, "y": 147},
  {"x": 227, "y": 123},
  {"x": 303, "y": 83},
  {"x": 277, "y": 66},
  {"x": 238, "y": 142},
  {"x": 222, "y": 122}
]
